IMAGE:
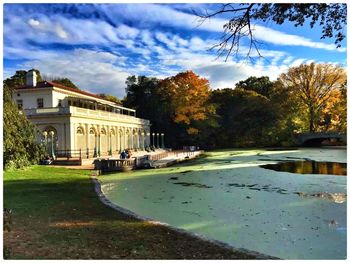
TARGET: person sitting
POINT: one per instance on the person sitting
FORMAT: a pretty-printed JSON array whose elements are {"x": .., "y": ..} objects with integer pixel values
[{"x": 123, "y": 155}]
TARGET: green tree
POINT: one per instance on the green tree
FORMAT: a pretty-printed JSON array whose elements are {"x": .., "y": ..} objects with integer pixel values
[
  {"x": 245, "y": 117},
  {"x": 65, "y": 82},
  {"x": 261, "y": 85},
  {"x": 110, "y": 98},
  {"x": 20, "y": 145}
]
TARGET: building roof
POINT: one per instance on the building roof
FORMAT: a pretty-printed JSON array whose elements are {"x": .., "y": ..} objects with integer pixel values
[{"x": 48, "y": 84}]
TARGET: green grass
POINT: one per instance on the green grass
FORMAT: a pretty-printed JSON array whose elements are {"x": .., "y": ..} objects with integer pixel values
[{"x": 57, "y": 215}]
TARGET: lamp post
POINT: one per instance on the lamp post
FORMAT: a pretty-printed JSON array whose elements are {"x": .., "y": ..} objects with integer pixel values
[
  {"x": 153, "y": 140},
  {"x": 95, "y": 148},
  {"x": 45, "y": 139},
  {"x": 52, "y": 133}
]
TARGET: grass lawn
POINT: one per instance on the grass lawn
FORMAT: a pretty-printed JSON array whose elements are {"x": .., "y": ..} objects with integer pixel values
[{"x": 57, "y": 215}]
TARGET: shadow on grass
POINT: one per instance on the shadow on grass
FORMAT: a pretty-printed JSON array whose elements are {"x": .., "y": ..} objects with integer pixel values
[{"x": 59, "y": 216}]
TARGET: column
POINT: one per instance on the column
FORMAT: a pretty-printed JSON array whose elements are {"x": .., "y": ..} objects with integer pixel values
[
  {"x": 157, "y": 140},
  {"x": 162, "y": 134},
  {"x": 87, "y": 141},
  {"x": 95, "y": 148},
  {"x": 98, "y": 140},
  {"x": 138, "y": 140},
  {"x": 142, "y": 141},
  {"x": 126, "y": 139}
]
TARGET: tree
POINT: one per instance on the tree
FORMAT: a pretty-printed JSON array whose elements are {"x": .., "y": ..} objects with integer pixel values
[
  {"x": 65, "y": 82},
  {"x": 245, "y": 118},
  {"x": 187, "y": 95},
  {"x": 176, "y": 106},
  {"x": 330, "y": 17},
  {"x": 20, "y": 145},
  {"x": 314, "y": 84},
  {"x": 110, "y": 98},
  {"x": 261, "y": 85}
]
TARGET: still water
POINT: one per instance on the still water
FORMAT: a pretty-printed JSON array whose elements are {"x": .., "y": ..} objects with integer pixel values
[
  {"x": 308, "y": 167},
  {"x": 227, "y": 196}
]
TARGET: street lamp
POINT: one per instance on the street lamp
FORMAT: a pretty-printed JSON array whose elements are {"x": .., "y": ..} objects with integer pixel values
[
  {"x": 153, "y": 134},
  {"x": 52, "y": 133},
  {"x": 45, "y": 139}
]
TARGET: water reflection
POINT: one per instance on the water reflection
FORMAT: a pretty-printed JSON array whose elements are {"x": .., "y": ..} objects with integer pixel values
[{"x": 308, "y": 167}]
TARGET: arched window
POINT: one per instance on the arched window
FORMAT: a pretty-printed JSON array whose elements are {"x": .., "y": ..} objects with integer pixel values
[
  {"x": 103, "y": 131},
  {"x": 80, "y": 130},
  {"x": 92, "y": 131}
]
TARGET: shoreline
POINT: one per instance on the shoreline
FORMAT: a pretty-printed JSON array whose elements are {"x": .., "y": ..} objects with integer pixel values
[{"x": 107, "y": 202}]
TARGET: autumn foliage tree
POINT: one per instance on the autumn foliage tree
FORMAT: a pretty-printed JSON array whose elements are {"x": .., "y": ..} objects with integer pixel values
[
  {"x": 187, "y": 95},
  {"x": 315, "y": 85}
]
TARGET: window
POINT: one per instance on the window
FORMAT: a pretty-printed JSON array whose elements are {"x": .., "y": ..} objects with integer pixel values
[
  {"x": 20, "y": 104},
  {"x": 59, "y": 103},
  {"x": 40, "y": 103}
]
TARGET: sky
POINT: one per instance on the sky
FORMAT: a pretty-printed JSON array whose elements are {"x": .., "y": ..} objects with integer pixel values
[{"x": 98, "y": 46}]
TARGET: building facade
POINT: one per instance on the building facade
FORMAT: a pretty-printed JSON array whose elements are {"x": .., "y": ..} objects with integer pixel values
[{"x": 73, "y": 120}]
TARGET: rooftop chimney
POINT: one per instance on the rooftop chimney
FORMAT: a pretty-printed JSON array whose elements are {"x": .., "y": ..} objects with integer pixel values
[{"x": 31, "y": 78}]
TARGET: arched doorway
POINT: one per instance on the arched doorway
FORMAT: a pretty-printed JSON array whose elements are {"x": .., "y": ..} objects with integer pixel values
[
  {"x": 112, "y": 142},
  {"x": 121, "y": 140},
  {"x": 135, "y": 140},
  {"x": 80, "y": 139},
  {"x": 92, "y": 142}
]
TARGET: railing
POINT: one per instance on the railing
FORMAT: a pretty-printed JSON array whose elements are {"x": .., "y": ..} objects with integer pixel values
[
  {"x": 110, "y": 165},
  {"x": 86, "y": 112},
  {"x": 107, "y": 115},
  {"x": 55, "y": 110},
  {"x": 175, "y": 153},
  {"x": 69, "y": 154}
]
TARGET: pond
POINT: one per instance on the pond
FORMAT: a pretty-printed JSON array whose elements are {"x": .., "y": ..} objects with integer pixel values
[
  {"x": 308, "y": 167},
  {"x": 227, "y": 196}
]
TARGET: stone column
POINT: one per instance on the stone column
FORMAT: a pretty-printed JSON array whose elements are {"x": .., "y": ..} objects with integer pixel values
[
  {"x": 126, "y": 135},
  {"x": 87, "y": 140},
  {"x": 162, "y": 134},
  {"x": 99, "y": 141},
  {"x": 142, "y": 141},
  {"x": 132, "y": 139}
]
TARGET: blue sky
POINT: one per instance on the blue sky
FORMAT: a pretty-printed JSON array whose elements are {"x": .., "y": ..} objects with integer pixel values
[{"x": 99, "y": 46}]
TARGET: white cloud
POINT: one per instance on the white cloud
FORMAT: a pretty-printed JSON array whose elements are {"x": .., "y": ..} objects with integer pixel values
[
  {"x": 90, "y": 70},
  {"x": 60, "y": 32},
  {"x": 33, "y": 22},
  {"x": 166, "y": 16}
]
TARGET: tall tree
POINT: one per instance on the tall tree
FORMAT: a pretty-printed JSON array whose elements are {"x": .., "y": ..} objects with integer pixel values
[
  {"x": 20, "y": 145},
  {"x": 240, "y": 27},
  {"x": 245, "y": 118},
  {"x": 314, "y": 85},
  {"x": 187, "y": 95}
]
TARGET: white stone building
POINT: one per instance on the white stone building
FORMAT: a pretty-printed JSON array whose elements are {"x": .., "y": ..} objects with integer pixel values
[{"x": 76, "y": 120}]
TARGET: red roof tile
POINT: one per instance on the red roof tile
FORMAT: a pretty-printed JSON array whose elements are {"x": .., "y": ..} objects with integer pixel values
[{"x": 46, "y": 84}]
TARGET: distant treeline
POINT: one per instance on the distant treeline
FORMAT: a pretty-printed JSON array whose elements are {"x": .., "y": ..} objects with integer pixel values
[{"x": 256, "y": 112}]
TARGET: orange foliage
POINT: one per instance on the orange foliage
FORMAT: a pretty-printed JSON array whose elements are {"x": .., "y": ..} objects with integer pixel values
[{"x": 187, "y": 94}]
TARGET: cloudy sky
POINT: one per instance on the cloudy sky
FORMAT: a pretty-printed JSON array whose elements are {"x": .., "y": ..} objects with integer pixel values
[{"x": 98, "y": 46}]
